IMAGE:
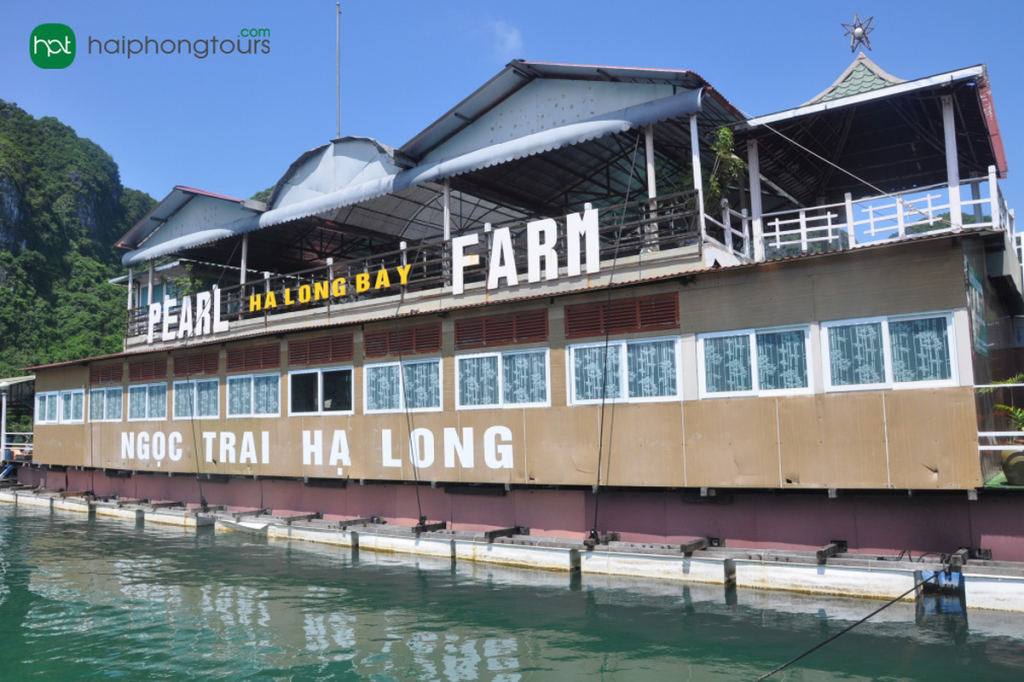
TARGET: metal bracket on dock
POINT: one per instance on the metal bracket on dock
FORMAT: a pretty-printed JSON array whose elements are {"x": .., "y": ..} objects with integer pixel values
[
  {"x": 489, "y": 535},
  {"x": 692, "y": 546},
  {"x": 365, "y": 521},
  {"x": 591, "y": 543},
  {"x": 958, "y": 558},
  {"x": 427, "y": 527},
  {"x": 166, "y": 505},
  {"x": 830, "y": 550},
  {"x": 288, "y": 520}
]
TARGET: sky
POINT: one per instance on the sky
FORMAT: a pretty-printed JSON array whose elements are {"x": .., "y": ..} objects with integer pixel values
[{"x": 233, "y": 123}]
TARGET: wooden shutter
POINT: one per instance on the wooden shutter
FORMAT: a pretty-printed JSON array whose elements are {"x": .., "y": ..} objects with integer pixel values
[
  {"x": 254, "y": 357},
  {"x": 104, "y": 374},
  {"x": 315, "y": 351},
  {"x": 409, "y": 341},
  {"x": 147, "y": 370},
  {"x": 499, "y": 330},
  {"x": 197, "y": 363},
  {"x": 622, "y": 316}
]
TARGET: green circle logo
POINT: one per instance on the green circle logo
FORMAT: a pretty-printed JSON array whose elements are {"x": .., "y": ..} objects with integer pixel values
[{"x": 52, "y": 46}]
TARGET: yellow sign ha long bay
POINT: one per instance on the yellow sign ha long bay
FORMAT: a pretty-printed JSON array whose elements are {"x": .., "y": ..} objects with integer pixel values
[{"x": 326, "y": 289}]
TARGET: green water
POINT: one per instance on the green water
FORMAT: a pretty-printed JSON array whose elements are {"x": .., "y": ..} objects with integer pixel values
[{"x": 100, "y": 600}]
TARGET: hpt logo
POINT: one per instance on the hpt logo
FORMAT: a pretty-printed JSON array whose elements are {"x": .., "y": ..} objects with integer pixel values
[{"x": 52, "y": 46}]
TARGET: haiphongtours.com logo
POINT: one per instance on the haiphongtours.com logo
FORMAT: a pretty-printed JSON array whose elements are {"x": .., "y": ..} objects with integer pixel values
[{"x": 52, "y": 46}]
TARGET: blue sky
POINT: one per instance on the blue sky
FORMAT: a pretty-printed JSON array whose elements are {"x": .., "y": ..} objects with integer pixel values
[{"x": 233, "y": 123}]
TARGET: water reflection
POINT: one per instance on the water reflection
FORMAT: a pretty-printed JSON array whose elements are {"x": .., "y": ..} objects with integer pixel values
[{"x": 107, "y": 599}]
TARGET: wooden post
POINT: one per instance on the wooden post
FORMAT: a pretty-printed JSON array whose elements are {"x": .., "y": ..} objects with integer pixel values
[
  {"x": 993, "y": 197},
  {"x": 754, "y": 166},
  {"x": 952, "y": 162}
]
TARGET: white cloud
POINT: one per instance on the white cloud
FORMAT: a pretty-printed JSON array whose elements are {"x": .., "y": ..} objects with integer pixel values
[{"x": 508, "y": 41}]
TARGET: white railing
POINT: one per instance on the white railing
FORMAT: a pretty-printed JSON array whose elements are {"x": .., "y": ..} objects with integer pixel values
[
  {"x": 18, "y": 446},
  {"x": 884, "y": 218},
  {"x": 732, "y": 232}
]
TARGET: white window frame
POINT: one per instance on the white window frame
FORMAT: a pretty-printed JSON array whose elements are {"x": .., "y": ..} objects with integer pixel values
[
  {"x": 755, "y": 382},
  {"x": 320, "y": 391},
  {"x": 401, "y": 386},
  {"x": 195, "y": 400},
  {"x": 147, "y": 418},
  {"x": 47, "y": 396},
  {"x": 252, "y": 396},
  {"x": 104, "y": 391},
  {"x": 60, "y": 406},
  {"x": 622, "y": 344},
  {"x": 890, "y": 382},
  {"x": 501, "y": 404}
]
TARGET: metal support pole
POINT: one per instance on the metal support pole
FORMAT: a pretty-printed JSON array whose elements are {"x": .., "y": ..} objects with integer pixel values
[
  {"x": 651, "y": 229},
  {"x": 698, "y": 182},
  {"x": 446, "y": 253},
  {"x": 149, "y": 283},
  {"x": 757, "y": 225},
  {"x": 952, "y": 162},
  {"x": 245, "y": 258},
  {"x": 993, "y": 194},
  {"x": 131, "y": 287}
]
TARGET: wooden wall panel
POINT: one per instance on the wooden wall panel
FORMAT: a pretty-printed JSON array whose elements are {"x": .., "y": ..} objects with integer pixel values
[
  {"x": 833, "y": 437},
  {"x": 646, "y": 445},
  {"x": 732, "y": 442},
  {"x": 933, "y": 438}
]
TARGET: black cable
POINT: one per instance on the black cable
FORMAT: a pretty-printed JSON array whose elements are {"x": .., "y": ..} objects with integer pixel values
[
  {"x": 405, "y": 405},
  {"x": 607, "y": 343},
  {"x": 842, "y": 632}
]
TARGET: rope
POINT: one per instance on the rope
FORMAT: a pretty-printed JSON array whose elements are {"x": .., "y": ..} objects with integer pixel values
[
  {"x": 842, "y": 632},
  {"x": 607, "y": 343}
]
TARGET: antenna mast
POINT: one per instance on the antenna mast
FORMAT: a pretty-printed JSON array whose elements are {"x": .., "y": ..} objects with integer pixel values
[{"x": 337, "y": 69}]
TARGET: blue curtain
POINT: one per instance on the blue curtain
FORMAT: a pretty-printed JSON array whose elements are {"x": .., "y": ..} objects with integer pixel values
[
  {"x": 525, "y": 377},
  {"x": 382, "y": 389},
  {"x": 781, "y": 360},
  {"x": 239, "y": 396},
  {"x": 422, "y": 385},
  {"x": 920, "y": 350},
  {"x": 651, "y": 369},
  {"x": 727, "y": 364},
  {"x": 266, "y": 394},
  {"x": 595, "y": 374},
  {"x": 478, "y": 380},
  {"x": 856, "y": 354}
]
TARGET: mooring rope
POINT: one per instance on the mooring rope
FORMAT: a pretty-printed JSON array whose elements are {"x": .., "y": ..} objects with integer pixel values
[
  {"x": 842, "y": 632},
  {"x": 607, "y": 343}
]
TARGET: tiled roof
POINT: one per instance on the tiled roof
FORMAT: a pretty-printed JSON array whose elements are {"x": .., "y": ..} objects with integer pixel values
[{"x": 863, "y": 75}]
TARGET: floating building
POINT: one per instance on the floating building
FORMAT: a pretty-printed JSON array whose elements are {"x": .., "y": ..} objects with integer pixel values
[{"x": 586, "y": 298}]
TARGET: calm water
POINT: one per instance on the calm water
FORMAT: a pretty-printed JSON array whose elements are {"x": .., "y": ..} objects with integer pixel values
[{"x": 108, "y": 600}]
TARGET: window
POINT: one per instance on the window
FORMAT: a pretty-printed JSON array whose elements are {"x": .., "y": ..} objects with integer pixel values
[
  {"x": 754, "y": 362},
  {"x": 197, "y": 363},
  {"x": 894, "y": 352},
  {"x": 254, "y": 358},
  {"x": 47, "y": 405},
  {"x": 147, "y": 402},
  {"x": 339, "y": 348},
  {"x": 72, "y": 407},
  {"x": 254, "y": 396},
  {"x": 502, "y": 330},
  {"x": 622, "y": 316},
  {"x": 106, "y": 374},
  {"x": 320, "y": 391},
  {"x": 641, "y": 370},
  {"x": 196, "y": 398},
  {"x": 105, "y": 404},
  {"x": 510, "y": 379},
  {"x": 416, "y": 387}
]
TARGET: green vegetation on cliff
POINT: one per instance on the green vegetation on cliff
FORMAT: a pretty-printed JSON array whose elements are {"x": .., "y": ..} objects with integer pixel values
[{"x": 62, "y": 207}]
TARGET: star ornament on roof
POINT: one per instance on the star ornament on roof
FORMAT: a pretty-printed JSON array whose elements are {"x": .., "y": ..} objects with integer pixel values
[{"x": 858, "y": 32}]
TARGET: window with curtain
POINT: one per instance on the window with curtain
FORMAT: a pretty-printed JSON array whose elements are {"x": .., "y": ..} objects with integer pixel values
[
  {"x": 72, "y": 406},
  {"x": 96, "y": 405},
  {"x": 417, "y": 385},
  {"x": 321, "y": 391},
  {"x": 147, "y": 402},
  {"x": 515, "y": 378},
  {"x": 47, "y": 408},
  {"x": 196, "y": 399},
  {"x": 644, "y": 369},
  {"x": 887, "y": 352},
  {"x": 254, "y": 396},
  {"x": 112, "y": 404},
  {"x": 752, "y": 362}
]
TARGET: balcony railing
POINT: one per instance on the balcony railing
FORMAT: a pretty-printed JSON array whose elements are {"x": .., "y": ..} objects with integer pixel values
[
  {"x": 634, "y": 228},
  {"x": 871, "y": 220}
]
